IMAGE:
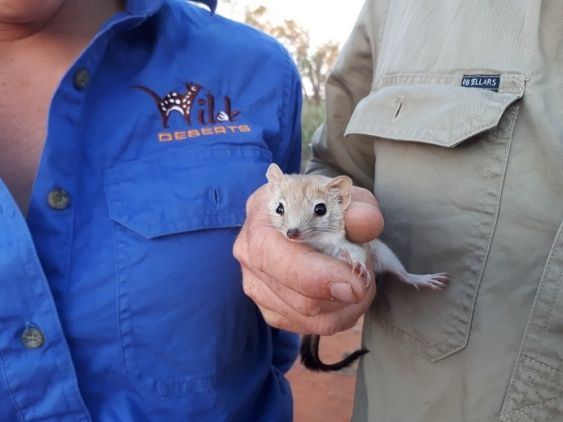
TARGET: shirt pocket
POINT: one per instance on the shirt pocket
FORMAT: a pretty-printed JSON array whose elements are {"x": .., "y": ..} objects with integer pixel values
[
  {"x": 536, "y": 388},
  {"x": 441, "y": 154},
  {"x": 184, "y": 321}
]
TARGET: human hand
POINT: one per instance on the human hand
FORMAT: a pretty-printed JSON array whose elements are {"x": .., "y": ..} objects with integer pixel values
[{"x": 297, "y": 288}]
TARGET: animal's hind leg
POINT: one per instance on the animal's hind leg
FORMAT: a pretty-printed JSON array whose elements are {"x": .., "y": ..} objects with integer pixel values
[{"x": 386, "y": 261}]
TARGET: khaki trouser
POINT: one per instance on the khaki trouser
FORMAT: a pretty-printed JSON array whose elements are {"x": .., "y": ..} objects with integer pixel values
[{"x": 453, "y": 114}]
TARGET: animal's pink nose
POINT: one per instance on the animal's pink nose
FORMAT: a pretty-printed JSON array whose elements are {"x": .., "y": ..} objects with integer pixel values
[{"x": 293, "y": 234}]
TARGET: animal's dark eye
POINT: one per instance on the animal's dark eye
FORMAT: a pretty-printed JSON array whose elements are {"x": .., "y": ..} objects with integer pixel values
[
  {"x": 279, "y": 209},
  {"x": 320, "y": 209}
]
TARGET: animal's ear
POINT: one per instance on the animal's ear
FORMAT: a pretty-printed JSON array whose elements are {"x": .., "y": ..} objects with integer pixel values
[
  {"x": 274, "y": 174},
  {"x": 343, "y": 187}
]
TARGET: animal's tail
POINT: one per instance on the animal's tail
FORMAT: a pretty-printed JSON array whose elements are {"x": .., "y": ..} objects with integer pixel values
[
  {"x": 311, "y": 360},
  {"x": 149, "y": 91}
]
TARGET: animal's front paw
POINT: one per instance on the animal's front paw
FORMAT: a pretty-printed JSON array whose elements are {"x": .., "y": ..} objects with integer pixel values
[
  {"x": 362, "y": 271},
  {"x": 357, "y": 260}
]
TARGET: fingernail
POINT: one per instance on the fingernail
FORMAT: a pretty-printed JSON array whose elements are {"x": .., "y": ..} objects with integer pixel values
[{"x": 342, "y": 292}]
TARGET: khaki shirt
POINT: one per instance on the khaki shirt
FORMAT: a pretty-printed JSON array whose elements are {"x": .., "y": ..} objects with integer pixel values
[{"x": 461, "y": 104}]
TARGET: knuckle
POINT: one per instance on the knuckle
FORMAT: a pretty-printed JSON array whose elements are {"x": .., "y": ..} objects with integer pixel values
[
  {"x": 248, "y": 292},
  {"x": 328, "y": 329},
  {"x": 346, "y": 325},
  {"x": 255, "y": 258},
  {"x": 238, "y": 249},
  {"x": 330, "y": 325},
  {"x": 249, "y": 289},
  {"x": 273, "y": 319},
  {"x": 309, "y": 307},
  {"x": 326, "y": 326}
]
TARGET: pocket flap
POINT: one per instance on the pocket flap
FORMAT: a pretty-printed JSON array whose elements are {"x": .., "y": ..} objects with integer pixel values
[
  {"x": 186, "y": 190},
  {"x": 443, "y": 115}
]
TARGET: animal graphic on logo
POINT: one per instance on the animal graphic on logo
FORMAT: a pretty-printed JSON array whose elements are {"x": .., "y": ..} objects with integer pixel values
[
  {"x": 183, "y": 103},
  {"x": 174, "y": 101}
]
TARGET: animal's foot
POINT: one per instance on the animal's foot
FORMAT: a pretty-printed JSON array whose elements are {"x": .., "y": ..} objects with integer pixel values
[
  {"x": 359, "y": 268},
  {"x": 432, "y": 281}
]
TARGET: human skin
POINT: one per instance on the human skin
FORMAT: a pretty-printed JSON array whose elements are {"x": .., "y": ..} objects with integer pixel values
[
  {"x": 297, "y": 288},
  {"x": 39, "y": 40},
  {"x": 27, "y": 12}
]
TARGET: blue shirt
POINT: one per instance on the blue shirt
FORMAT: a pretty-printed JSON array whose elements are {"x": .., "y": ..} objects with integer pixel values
[{"x": 120, "y": 297}]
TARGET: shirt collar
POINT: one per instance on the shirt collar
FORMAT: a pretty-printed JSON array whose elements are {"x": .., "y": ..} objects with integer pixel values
[
  {"x": 212, "y": 4},
  {"x": 148, "y": 7}
]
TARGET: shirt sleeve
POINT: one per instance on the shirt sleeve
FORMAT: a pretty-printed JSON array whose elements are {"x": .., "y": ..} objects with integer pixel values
[
  {"x": 286, "y": 345},
  {"x": 349, "y": 82},
  {"x": 287, "y": 154}
]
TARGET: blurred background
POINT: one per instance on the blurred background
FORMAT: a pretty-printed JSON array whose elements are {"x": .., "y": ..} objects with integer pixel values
[{"x": 313, "y": 31}]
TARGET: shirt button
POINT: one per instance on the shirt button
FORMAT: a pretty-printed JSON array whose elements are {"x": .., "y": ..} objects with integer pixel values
[
  {"x": 32, "y": 338},
  {"x": 81, "y": 78},
  {"x": 58, "y": 199}
]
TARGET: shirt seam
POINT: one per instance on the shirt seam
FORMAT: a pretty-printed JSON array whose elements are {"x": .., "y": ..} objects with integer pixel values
[{"x": 284, "y": 114}]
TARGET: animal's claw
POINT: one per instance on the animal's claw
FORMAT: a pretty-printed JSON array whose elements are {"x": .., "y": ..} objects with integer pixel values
[{"x": 362, "y": 271}]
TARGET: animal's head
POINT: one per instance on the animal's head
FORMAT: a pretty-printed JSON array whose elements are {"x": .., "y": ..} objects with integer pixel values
[{"x": 302, "y": 207}]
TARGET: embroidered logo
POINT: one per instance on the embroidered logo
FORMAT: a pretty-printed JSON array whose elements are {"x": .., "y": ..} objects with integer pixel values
[
  {"x": 194, "y": 107},
  {"x": 174, "y": 101},
  {"x": 491, "y": 82}
]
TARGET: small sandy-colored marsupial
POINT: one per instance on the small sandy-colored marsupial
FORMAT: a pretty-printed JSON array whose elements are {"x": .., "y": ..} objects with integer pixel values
[{"x": 310, "y": 209}]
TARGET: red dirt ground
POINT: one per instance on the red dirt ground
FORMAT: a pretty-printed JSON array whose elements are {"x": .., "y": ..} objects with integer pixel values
[{"x": 322, "y": 397}]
